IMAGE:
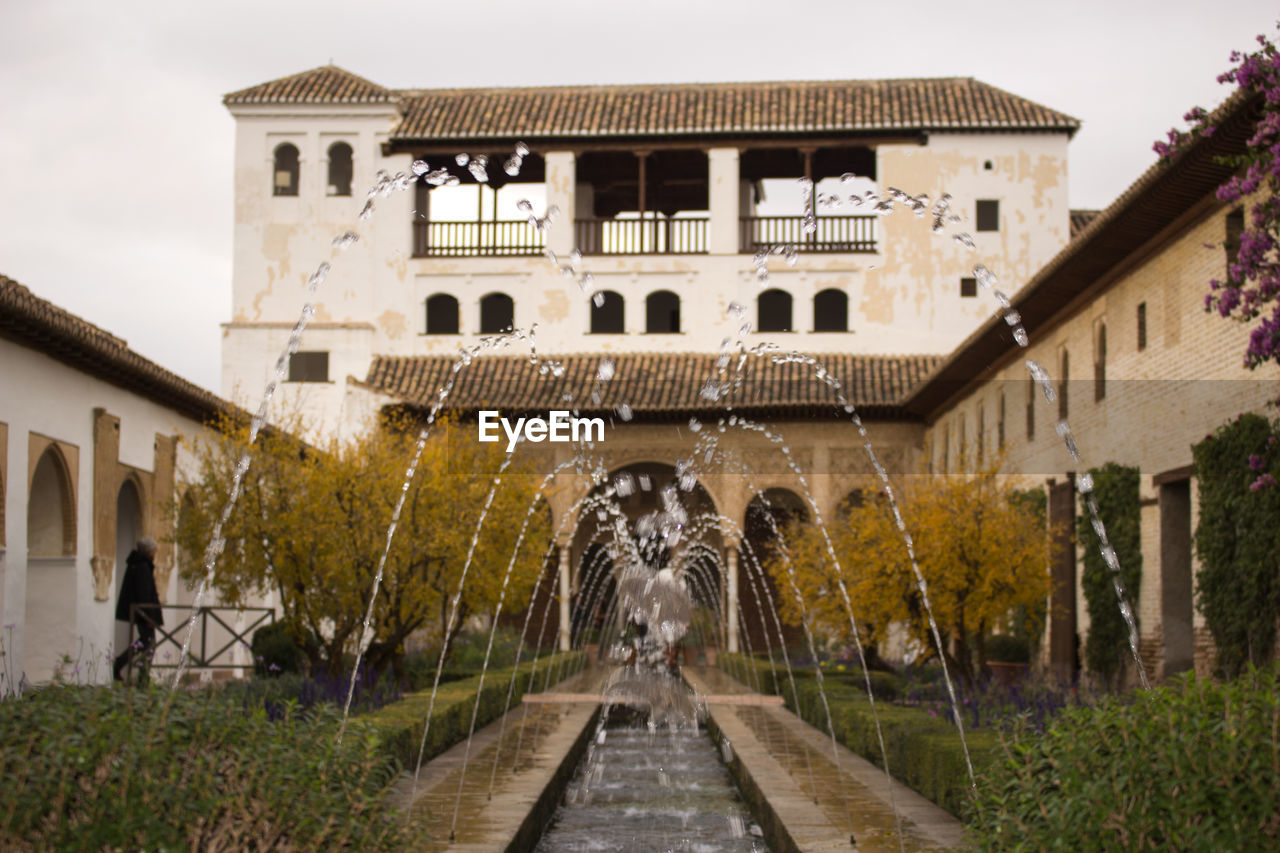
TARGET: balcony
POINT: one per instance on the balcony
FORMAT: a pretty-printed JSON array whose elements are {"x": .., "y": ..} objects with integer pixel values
[
  {"x": 833, "y": 234},
  {"x": 666, "y": 236},
  {"x": 501, "y": 238}
]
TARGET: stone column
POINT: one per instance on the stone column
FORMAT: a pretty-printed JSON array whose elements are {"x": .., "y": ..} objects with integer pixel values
[
  {"x": 731, "y": 581},
  {"x": 561, "y": 191},
  {"x": 725, "y": 201},
  {"x": 565, "y": 592}
]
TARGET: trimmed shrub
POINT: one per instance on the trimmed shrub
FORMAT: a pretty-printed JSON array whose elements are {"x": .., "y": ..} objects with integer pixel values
[
  {"x": 1191, "y": 766},
  {"x": 1238, "y": 540},
  {"x": 94, "y": 768},
  {"x": 1008, "y": 648},
  {"x": 399, "y": 725},
  {"x": 924, "y": 749},
  {"x": 275, "y": 652},
  {"x": 1106, "y": 650}
]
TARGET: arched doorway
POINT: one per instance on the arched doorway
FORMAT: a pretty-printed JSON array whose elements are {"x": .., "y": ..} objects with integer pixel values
[
  {"x": 49, "y": 616},
  {"x": 769, "y": 517},
  {"x": 128, "y": 531},
  {"x": 646, "y": 515}
]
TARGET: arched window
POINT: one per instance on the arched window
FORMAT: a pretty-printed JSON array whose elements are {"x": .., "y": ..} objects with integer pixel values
[
  {"x": 662, "y": 313},
  {"x": 339, "y": 169},
  {"x": 773, "y": 311},
  {"x": 442, "y": 315},
  {"x": 497, "y": 313},
  {"x": 831, "y": 311},
  {"x": 285, "y": 181},
  {"x": 607, "y": 317},
  {"x": 51, "y": 520}
]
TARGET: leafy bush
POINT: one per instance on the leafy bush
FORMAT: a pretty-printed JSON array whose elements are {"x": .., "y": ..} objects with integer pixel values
[
  {"x": 1192, "y": 766},
  {"x": 469, "y": 647},
  {"x": 275, "y": 651},
  {"x": 1238, "y": 540},
  {"x": 91, "y": 768},
  {"x": 1008, "y": 648},
  {"x": 923, "y": 746},
  {"x": 1106, "y": 650},
  {"x": 399, "y": 725}
]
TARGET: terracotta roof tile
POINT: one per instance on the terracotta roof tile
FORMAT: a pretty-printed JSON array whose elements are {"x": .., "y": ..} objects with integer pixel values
[
  {"x": 960, "y": 103},
  {"x": 328, "y": 84},
  {"x": 654, "y": 385},
  {"x": 42, "y": 326}
]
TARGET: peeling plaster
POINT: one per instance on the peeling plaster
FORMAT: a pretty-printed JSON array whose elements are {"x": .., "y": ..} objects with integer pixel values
[
  {"x": 393, "y": 324},
  {"x": 555, "y": 306}
]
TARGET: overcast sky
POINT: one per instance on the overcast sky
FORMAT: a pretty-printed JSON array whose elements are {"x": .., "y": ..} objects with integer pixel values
[{"x": 116, "y": 152}]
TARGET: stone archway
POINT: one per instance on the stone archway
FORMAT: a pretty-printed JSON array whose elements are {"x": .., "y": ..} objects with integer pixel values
[
  {"x": 49, "y": 619},
  {"x": 642, "y": 514},
  {"x": 129, "y": 529},
  {"x": 769, "y": 516}
]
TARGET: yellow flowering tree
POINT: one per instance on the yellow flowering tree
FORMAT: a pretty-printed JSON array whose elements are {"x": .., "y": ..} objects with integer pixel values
[
  {"x": 983, "y": 551},
  {"x": 312, "y": 526}
]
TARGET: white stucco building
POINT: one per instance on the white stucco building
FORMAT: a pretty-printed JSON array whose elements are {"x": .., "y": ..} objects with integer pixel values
[
  {"x": 90, "y": 459},
  {"x": 668, "y": 191}
]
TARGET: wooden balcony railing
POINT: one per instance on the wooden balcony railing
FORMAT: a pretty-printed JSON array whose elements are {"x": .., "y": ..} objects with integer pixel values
[
  {"x": 834, "y": 234},
  {"x": 503, "y": 237},
  {"x": 641, "y": 236}
]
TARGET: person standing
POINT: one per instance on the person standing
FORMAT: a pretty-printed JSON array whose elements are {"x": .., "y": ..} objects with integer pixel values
[{"x": 139, "y": 588}]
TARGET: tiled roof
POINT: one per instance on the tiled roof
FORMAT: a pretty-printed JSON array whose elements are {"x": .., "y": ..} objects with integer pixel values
[
  {"x": 816, "y": 106},
  {"x": 654, "y": 385},
  {"x": 328, "y": 84},
  {"x": 1080, "y": 219},
  {"x": 42, "y": 326},
  {"x": 722, "y": 108}
]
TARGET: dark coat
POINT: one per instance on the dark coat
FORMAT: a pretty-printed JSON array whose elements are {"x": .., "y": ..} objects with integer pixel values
[{"x": 139, "y": 587}]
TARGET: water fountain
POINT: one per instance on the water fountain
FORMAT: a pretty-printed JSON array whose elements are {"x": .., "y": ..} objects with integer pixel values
[{"x": 648, "y": 602}]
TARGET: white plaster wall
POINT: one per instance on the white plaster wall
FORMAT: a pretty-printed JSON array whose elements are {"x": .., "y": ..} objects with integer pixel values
[{"x": 41, "y": 395}]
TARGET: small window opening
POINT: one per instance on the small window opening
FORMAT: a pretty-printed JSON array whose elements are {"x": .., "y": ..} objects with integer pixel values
[
  {"x": 988, "y": 215},
  {"x": 608, "y": 316},
  {"x": 285, "y": 181},
  {"x": 340, "y": 169},
  {"x": 1142, "y": 325},
  {"x": 773, "y": 311},
  {"x": 309, "y": 367},
  {"x": 968, "y": 287}
]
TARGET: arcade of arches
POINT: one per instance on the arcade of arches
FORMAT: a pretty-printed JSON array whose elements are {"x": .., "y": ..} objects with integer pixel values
[{"x": 729, "y": 512}]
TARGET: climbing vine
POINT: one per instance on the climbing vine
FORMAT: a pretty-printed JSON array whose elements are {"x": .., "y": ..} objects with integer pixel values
[
  {"x": 1238, "y": 540},
  {"x": 1107, "y": 648}
]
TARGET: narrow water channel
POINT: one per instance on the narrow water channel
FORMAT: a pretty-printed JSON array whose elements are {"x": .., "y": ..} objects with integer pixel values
[{"x": 662, "y": 791}]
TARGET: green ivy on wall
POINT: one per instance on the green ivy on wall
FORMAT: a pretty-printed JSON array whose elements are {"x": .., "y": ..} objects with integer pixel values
[
  {"x": 1238, "y": 540},
  {"x": 1106, "y": 650}
]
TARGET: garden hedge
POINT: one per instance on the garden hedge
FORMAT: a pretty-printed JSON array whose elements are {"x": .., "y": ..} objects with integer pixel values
[
  {"x": 399, "y": 725},
  {"x": 101, "y": 768},
  {"x": 924, "y": 750},
  {"x": 1190, "y": 766}
]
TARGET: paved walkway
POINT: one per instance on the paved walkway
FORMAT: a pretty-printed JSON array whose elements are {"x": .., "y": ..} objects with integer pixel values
[
  {"x": 820, "y": 795},
  {"x": 535, "y": 743}
]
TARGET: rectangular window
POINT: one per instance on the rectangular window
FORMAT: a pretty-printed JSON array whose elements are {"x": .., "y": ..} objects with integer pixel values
[
  {"x": 988, "y": 215},
  {"x": 968, "y": 287},
  {"x": 1235, "y": 229},
  {"x": 982, "y": 437},
  {"x": 1031, "y": 408},
  {"x": 1100, "y": 360},
  {"x": 1000, "y": 424},
  {"x": 1062, "y": 387},
  {"x": 309, "y": 367},
  {"x": 946, "y": 449},
  {"x": 962, "y": 448},
  {"x": 1142, "y": 325}
]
